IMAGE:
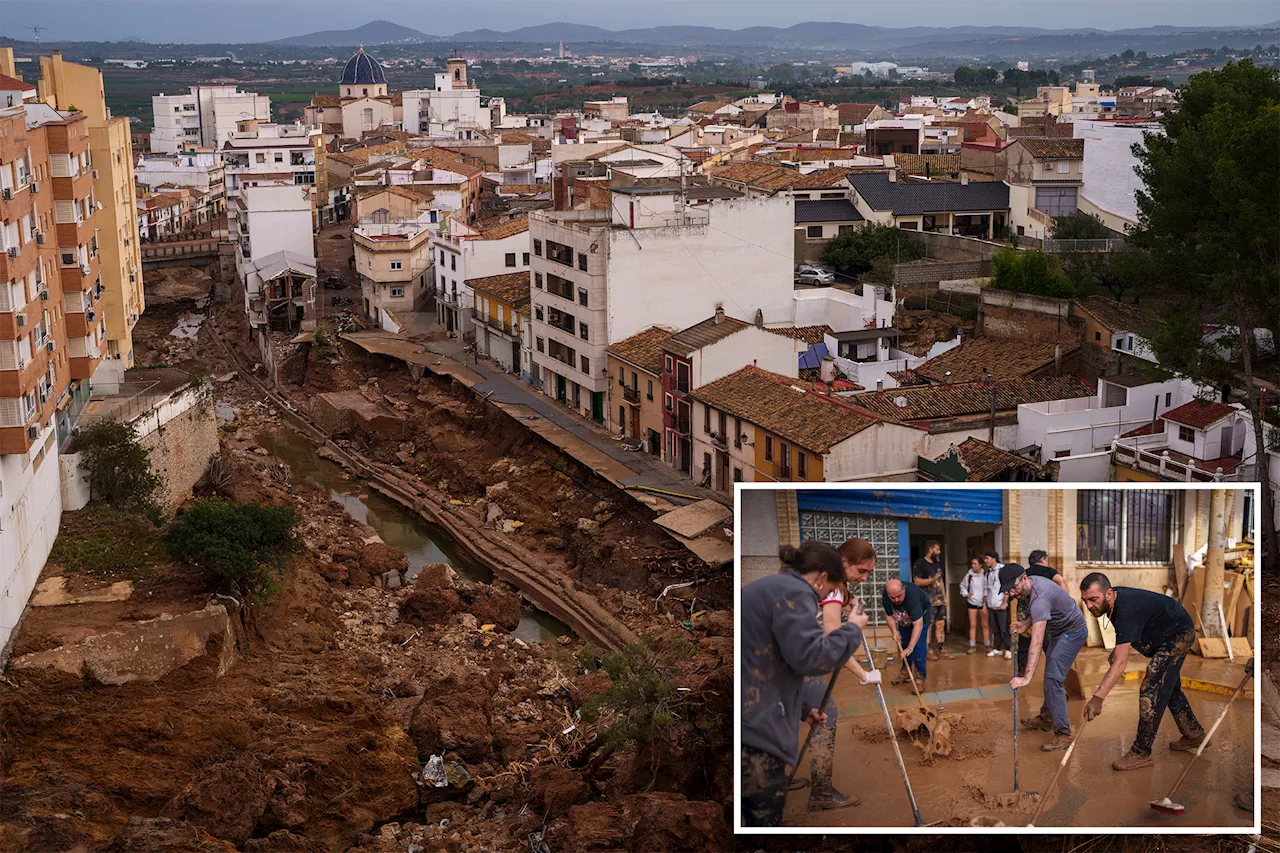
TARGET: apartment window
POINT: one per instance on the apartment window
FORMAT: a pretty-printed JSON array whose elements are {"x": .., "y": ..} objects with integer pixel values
[
  {"x": 397, "y": 265},
  {"x": 1056, "y": 201},
  {"x": 453, "y": 262},
  {"x": 510, "y": 260},
  {"x": 706, "y": 419},
  {"x": 844, "y": 229},
  {"x": 786, "y": 458},
  {"x": 737, "y": 475},
  {"x": 635, "y": 380},
  {"x": 622, "y": 419},
  {"x": 814, "y": 232},
  {"x": 667, "y": 364},
  {"x": 668, "y": 402},
  {"x": 541, "y": 345},
  {"x": 1125, "y": 527},
  {"x": 586, "y": 365},
  {"x": 1168, "y": 397},
  {"x": 582, "y": 331},
  {"x": 537, "y": 280},
  {"x": 582, "y": 262},
  {"x": 397, "y": 292},
  {"x": 1059, "y": 454},
  {"x": 1064, "y": 166},
  {"x": 279, "y": 157},
  {"x": 582, "y": 296},
  {"x": 537, "y": 248},
  {"x": 802, "y": 464},
  {"x": 442, "y": 256},
  {"x": 526, "y": 258},
  {"x": 1097, "y": 336},
  {"x": 537, "y": 313},
  {"x": 649, "y": 393},
  {"x": 768, "y": 448},
  {"x": 1186, "y": 434},
  {"x": 260, "y": 158},
  {"x": 737, "y": 433}
]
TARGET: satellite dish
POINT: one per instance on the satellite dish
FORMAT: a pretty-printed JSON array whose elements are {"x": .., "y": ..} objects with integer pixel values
[{"x": 901, "y": 402}]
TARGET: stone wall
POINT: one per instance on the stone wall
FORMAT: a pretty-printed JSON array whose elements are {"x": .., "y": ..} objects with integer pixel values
[
  {"x": 182, "y": 446},
  {"x": 1005, "y": 314},
  {"x": 930, "y": 272}
]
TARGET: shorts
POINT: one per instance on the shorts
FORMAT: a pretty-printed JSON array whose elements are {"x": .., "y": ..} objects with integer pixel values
[{"x": 974, "y": 606}]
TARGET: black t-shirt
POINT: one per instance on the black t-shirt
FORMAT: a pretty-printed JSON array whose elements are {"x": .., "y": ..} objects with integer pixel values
[
  {"x": 916, "y": 604},
  {"x": 925, "y": 569},
  {"x": 1046, "y": 572},
  {"x": 1147, "y": 618}
]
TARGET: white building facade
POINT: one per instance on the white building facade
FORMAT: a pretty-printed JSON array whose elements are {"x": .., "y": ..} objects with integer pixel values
[
  {"x": 206, "y": 116},
  {"x": 451, "y": 110}
]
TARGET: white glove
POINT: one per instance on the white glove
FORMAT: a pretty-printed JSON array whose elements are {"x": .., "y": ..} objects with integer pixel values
[{"x": 872, "y": 677}]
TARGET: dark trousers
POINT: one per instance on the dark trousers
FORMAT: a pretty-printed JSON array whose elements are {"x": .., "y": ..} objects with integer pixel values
[
  {"x": 764, "y": 788},
  {"x": 999, "y": 621},
  {"x": 1162, "y": 688},
  {"x": 920, "y": 653},
  {"x": 1024, "y": 650}
]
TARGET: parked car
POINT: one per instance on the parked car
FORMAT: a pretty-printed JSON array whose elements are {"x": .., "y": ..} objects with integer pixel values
[{"x": 814, "y": 275}]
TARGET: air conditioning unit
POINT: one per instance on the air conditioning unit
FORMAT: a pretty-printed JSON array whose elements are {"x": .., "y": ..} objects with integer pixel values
[
  {"x": 84, "y": 269},
  {"x": 44, "y": 295},
  {"x": 50, "y": 346},
  {"x": 33, "y": 432},
  {"x": 21, "y": 319},
  {"x": 89, "y": 315},
  {"x": 8, "y": 194},
  {"x": 95, "y": 174},
  {"x": 13, "y": 251},
  {"x": 40, "y": 238}
]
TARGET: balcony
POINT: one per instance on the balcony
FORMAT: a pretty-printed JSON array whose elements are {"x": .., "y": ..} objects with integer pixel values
[
  {"x": 631, "y": 395},
  {"x": 682, "y": 384},
  {"x": 783, "y": 472},
  {"x": 681, "y": 425}
]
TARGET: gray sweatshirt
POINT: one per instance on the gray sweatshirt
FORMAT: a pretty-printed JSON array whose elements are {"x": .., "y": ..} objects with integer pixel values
[{"x": 781, "y": 644}]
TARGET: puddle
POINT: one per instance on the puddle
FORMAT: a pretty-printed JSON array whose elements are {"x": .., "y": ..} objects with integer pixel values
[
  {"x": 188, "y": 327},
  {"x": 421, "y": 542}
]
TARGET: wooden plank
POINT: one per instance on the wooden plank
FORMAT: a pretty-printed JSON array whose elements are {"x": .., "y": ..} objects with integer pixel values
[
  {"x": 1233, "y": 582},
  {"x": 1240, "y": 646},
  {"x": 1211, "y": 647},
  {"x": 1180, "y": 569},
  {"x": 1193, "y": 598}
]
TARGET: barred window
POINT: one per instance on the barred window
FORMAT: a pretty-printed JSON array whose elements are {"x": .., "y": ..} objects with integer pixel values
[{"x": 1126, "y": 527}]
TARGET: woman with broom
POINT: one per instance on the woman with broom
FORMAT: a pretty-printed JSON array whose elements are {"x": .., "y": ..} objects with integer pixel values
[{"x": 781, "y": 644}]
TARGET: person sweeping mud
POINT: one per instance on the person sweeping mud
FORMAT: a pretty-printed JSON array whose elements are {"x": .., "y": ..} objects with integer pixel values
[
  {"x": 1038, "y": 567},
  {"x": 1159, "y": 628},
  {"x": 782, "y": 643},
  {"x": 907, "y": 606},
  {"x": 858, "y": 558},
  {"x": 927, "y": 574},
  {"x": 1058, "y": 628}
]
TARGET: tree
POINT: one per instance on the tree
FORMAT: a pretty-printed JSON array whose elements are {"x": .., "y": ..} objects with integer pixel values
[
  {"x": 243, "y": 546},
  {"x": 1080, "y": 226},
  {"x": 119, "y": 468},
  {"x": 1128, "y": 54},
  {"x": 1208, "y": 213},
  {"x": 1119, "y": 273},
  {"x": 854, "y": 251},
  {"x": 1033, "y": 273}
]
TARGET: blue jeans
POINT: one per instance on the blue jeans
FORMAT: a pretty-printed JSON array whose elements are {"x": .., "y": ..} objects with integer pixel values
[
  {"x": 920, "y": 653},
  {"x": 1059, "y": 653}
]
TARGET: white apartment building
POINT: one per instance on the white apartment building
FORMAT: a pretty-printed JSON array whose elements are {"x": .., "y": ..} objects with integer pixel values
[
  {"x": 206, "y": 116},
  {"x": 601, "y": 276},
  {"x": 199, "y": 169},
  {"x": 452, "y": 110},
  {"x": 464, "y": 252},
  {"x": 271, "y": 225},
  {"x": 273, "y": 154}
]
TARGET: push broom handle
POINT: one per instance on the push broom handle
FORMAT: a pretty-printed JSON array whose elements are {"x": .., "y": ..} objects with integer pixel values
[
  {"x": 1207, "y": 737},
  {"x": 1044, "y": 798},
  {"x": 813, "y": 727},
  {"x": 893, "y": 739},
  {"x": 902, "y": 655},
  {"x": 1013, "y": 642}
]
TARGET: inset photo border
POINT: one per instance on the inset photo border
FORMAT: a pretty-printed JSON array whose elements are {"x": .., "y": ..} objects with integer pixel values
[{"x": 945, "y": 744}]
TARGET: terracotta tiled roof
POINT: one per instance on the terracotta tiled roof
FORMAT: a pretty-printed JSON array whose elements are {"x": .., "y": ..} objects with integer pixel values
[
  {"x": 326, "y": 101},
  {"x": 361, "y": 156},
  {"x": 854, "y": 113},
  {"x": 808, "y": 334},
  {"x": 643, "y": 349},
  {"x": 440, "y": 159},
  {"x": 501, "y": 230},
  {"x": 410, "y": 191},
  {"x": 1116, "y": 316},
  {"x": 516, "y": 137},
  {"x": 1043, "y": 148},
  {"x": 1002, "y": 358},
  {"x": 1199, "y": 415},
  {"x": 511, "y": 287},
  {"x": 986, "y": 462},
  {"x": 914, "y": 164},
  {"x": 774, "y": 178},
  {"x": 926, "y": 402},
  {"x": 768, "y": 400},
  {"x": 706, "y": 106}
]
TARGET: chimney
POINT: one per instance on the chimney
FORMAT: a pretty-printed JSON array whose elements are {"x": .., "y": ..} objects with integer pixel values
[
  {"x": 1057, "y": 359},
  {"x": 893, "y": 176},
  {"x": 946, "y": 378},
  {"x": 964, "y": 179},
  {"x": 759, "y": 319},
  {"x": 719, "y": 314},
  {"x": 879, "y": 384},
  {"x": 828, "y": 369}
]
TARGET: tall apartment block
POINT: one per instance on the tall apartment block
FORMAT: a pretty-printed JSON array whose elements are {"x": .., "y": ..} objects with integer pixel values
[
  {"x": 64, "y": 85},
  {"x": 206, "y": 116},
  {"x": 51, "y": 323}
]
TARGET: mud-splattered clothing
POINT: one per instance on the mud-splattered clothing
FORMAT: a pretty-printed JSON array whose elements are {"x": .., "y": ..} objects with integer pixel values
[
  {"x": 764, "y": 788},
  {"x": 782, "y": 643},
  {"x": 1147, "y": 618},
  {"x": 822, "y": 749}
]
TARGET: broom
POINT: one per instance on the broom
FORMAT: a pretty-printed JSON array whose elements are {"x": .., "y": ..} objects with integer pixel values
[{"x": 1167, "y": 805}]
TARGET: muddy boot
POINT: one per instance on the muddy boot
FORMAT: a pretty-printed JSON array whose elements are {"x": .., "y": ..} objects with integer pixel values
[
  {"x": 827, "y": 797},
  {"x": 798, "y": 784},
  {"x": 903, "y": 677},
  {"x": 1060, "y": 741},
  {"x": 1038, "y": 723},
  {"x": 1187, "y": 744},
  {"x": 932, "y": 655},
  {"x": 1131, "y": 761},
  {"x": 944, "y": 654}
]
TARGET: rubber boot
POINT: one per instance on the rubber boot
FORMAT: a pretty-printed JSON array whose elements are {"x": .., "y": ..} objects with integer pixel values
[
  {"x": 826, "y": 797},
  {"x": 1131, "y": 761}
]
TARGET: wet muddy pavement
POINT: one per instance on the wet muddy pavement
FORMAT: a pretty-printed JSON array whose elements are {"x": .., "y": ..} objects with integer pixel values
[{"x": 976, "y": 778}]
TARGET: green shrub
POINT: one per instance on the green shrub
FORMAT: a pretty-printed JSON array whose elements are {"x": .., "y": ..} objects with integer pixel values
[
  {"x": 643, "y": 701},
  {"x": 119, "y": 468},
  {"x": 1033, "y": 273},
  {"x": 854, "y": 252},
  {"x": 243, "y": 546},
  {"x": 1080, "y": 226}
]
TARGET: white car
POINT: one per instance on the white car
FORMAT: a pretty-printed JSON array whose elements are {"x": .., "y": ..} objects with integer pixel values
[{"x": 814, "y": 275}]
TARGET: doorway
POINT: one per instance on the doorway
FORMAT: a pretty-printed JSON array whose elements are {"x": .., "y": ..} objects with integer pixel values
[
  {"x": 597, "y": 406},
  {"x": 635, "y": 421},
  {"x": 515, "y": 357},
  {"x": 562, "y": 390}
]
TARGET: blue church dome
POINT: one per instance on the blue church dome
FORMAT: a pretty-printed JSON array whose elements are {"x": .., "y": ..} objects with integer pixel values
[{"x": 362, "y": 69}]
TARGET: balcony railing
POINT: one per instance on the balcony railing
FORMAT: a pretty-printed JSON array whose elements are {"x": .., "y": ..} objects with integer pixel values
[
  {"x": 681, "y": 426},
  {"x": 784, "y": 472},
  {"x": 631, "y": 395},
  {"x": 1167, "y": 468}
]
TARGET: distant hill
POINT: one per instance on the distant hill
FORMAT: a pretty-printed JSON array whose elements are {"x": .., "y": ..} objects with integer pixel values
[{"x": 374, "y": 32}]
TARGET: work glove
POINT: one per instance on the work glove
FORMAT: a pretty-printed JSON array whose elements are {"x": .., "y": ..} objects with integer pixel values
[
  {"x": 1093, "y": 708},
  {"x": 873, "y": 677}
]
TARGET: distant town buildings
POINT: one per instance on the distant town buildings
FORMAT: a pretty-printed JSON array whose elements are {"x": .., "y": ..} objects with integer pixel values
[{"x": 206, "y": 116}]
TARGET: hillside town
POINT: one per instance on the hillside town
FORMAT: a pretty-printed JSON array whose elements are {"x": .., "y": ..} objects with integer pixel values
[{"x": 561, "y": 339}]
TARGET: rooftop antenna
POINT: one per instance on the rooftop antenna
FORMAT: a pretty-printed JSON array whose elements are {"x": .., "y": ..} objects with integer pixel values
[{"x": 35, "y": 31}]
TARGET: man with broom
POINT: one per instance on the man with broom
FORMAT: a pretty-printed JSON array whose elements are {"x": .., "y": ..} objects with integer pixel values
[
  {"x": 1058, "y": 629},
  {"x": 1159, "y": 628}
]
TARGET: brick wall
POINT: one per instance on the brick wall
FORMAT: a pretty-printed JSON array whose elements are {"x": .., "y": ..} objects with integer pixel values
[
  {"x": 932, "y": 273},
  {"x": 182, "y": 447}
]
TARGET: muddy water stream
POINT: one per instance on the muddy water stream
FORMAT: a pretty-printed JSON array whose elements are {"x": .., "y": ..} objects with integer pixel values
[{"x": 398, "y": 527}]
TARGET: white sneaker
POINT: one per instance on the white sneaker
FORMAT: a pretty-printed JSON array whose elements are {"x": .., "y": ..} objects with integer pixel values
[
  {"x": 1008, "y": 655},
  {"x": 993, "y": 653}
]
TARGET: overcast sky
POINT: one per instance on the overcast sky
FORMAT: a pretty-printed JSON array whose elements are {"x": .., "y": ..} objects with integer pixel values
[{"x": 265, "y": 20}]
